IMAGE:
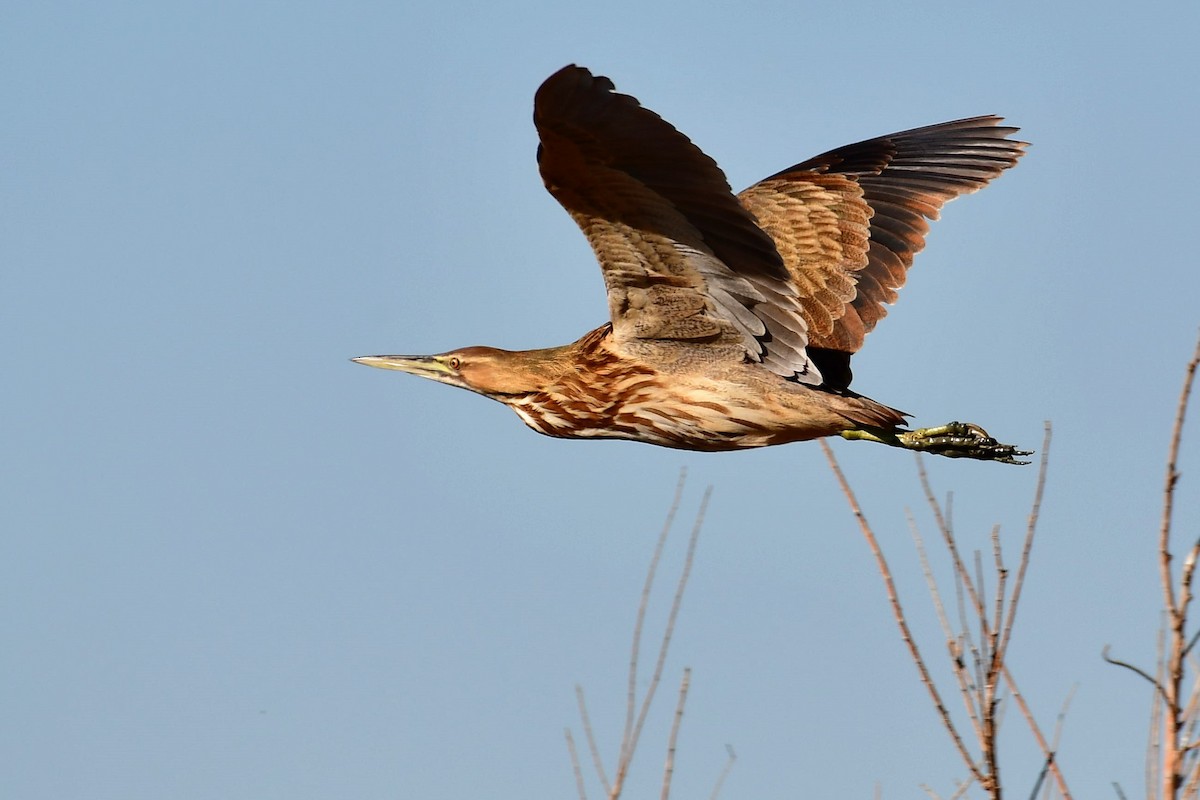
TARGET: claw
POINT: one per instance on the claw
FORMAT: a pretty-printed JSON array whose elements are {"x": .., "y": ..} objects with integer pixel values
[
  {"x": 961, "y": 440},
  {"x": 953, "y": 440}
]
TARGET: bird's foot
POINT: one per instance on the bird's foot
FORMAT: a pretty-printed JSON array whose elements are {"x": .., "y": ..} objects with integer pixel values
[{"x": 953, "y": 440}]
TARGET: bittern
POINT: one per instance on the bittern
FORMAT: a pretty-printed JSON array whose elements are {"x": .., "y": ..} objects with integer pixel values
[{"x": 733, "y": 318}]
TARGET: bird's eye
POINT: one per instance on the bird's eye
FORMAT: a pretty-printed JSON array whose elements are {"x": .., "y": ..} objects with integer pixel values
[{"x": 455, "y": 362}]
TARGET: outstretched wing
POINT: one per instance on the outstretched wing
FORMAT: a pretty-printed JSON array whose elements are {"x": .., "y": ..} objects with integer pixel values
[
  {"x": 848, "y": 222},
  {"x": 682, "y": 259}
]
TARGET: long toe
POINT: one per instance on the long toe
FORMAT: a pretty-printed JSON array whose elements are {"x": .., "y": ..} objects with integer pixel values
[{"x": 962, "y": 440}]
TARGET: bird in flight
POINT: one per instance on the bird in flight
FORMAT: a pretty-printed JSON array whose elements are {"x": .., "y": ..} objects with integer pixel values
[{"x": 733, "y": 318}]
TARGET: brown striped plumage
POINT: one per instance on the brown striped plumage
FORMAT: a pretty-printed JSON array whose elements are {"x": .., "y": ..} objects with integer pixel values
[{"x": 733, "y": 318}]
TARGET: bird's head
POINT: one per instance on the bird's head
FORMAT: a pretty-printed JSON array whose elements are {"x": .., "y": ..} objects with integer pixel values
[{"x": 494, "y": 373}]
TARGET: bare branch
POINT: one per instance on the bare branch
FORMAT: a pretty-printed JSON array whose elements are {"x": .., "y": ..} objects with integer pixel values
[
  {"x": 590, "y": 734},
  {"x": 934, "y": 594},
  {"x": 669, "y": 770},
  {"x": 1193, "y": 785},
  {"x": 1041, "y": 778},
  {"x": 943, "y": 526},
  {"x": 1001, "y": 586},
  {"x": 668, "y": 631},
  {"x": 898, "y": 613},
  {"x": 1191, "y": 643},
  {"x": 1047, "y": 750},
  {"x": 1172, "y": 772},
  {"x": 1172, "y": 477},
  {"x": 953, "y": 645},
  {"x": 1157, "y": 710},
  {"x": 1035, "y": 511},
  {"x": 724, "y": 772},
  {"x": 1138, "y": 670},
  {"x": 984, "y": 633},
  {"x": 578, "y": 770},
  {"x": 962, "y": 789},
  {"x": 631, "y": 692},
  {"x": 1061, "y": 719},
  {"x": 1189, "y": 712}
]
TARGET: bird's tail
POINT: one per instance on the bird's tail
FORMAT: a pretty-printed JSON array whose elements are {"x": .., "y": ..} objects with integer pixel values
[{"x": 863, "y": 411}]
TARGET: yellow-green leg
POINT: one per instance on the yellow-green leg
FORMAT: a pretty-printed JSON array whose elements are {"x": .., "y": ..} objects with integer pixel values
[{"x": 954, "y": 440}]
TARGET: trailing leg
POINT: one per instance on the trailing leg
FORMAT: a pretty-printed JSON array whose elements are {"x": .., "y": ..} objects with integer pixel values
[{"x": 953, "y": 440}]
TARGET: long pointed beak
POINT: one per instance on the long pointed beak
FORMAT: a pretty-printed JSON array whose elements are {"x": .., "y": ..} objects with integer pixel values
[{"x": 425, "y": 366}]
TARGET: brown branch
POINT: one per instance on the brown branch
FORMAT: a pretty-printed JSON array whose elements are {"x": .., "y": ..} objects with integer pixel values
[
  {"x": 953, "y": 645},
  {"x": 1172, "y": 477},
  {"x": 575, "y": 767},
  {"x": 1157, "y": 709},
  {"x": 961, "y": 791},
  {"x": 1035, "y": 511},
  {"x": 1047, "y": 750},
  {"x": 898, "y": 613},
  {"x": 1061, "y": 719},
  {"x": 1176, "y": 607},
  {"x": 1193, "y": 784},
  {"x": 1054, "y": 743},
  {"x": 963, "y": 579},
  {"x": 631, "y": 689},
  {"x": 947, "y": 535},
  {"x": 669, "y": 769},
  {"x": 724, "y": 773},
  {"x": 1193, "y": 705},
  {"x": 590, "y": 734},
  {"x": 668, "y": 631},
  {"x": 934, "y": 593},
  {"x": 1001, "y": 586}
]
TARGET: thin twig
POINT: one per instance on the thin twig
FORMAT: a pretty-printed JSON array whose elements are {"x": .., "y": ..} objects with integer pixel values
[
  {"x": 575, "y": 767},
  {"x": 962, "y": 789},
  {"x": 947, "y": 535},
  {"x": 1035, "y": 511},
  {"x": 724, "y": 772},
  {"x": 1061, "y": 719},
  {"x": 631, "y": 691},
  {"x": 1001, "y": 586},
  {"x": 669, "y": 769},
  {"x": 1193, "y": 704},
  {"x": 589, "y": 733},
  {"x": 984, "y": 629},
  {"x": 898, "y": 613},
  {"x": 1177, "y": 607},
  {"x": 668, "y": 631},
  {"x": 1191, "y": 643},
  {"x": 1137, "y": 670},
  {"x": 953, "y": 644},
  {"x": 1041, "y": 778},
  {"x": 1047, "y": 751},
  {"x": 1054, "y": 743},
  {"x": 1172, "y": 477},
  {"x": 934, "y": 594},
  {"x": 1157, "y": 709},
  {"x": 1193, "y": 786}
]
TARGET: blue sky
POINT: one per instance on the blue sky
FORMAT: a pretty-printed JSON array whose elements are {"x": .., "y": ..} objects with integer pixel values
[{"x": 235, "y": 564}]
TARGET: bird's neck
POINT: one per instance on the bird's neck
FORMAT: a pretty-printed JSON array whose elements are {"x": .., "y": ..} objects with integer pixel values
[{"x": 583, "y": 387}]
